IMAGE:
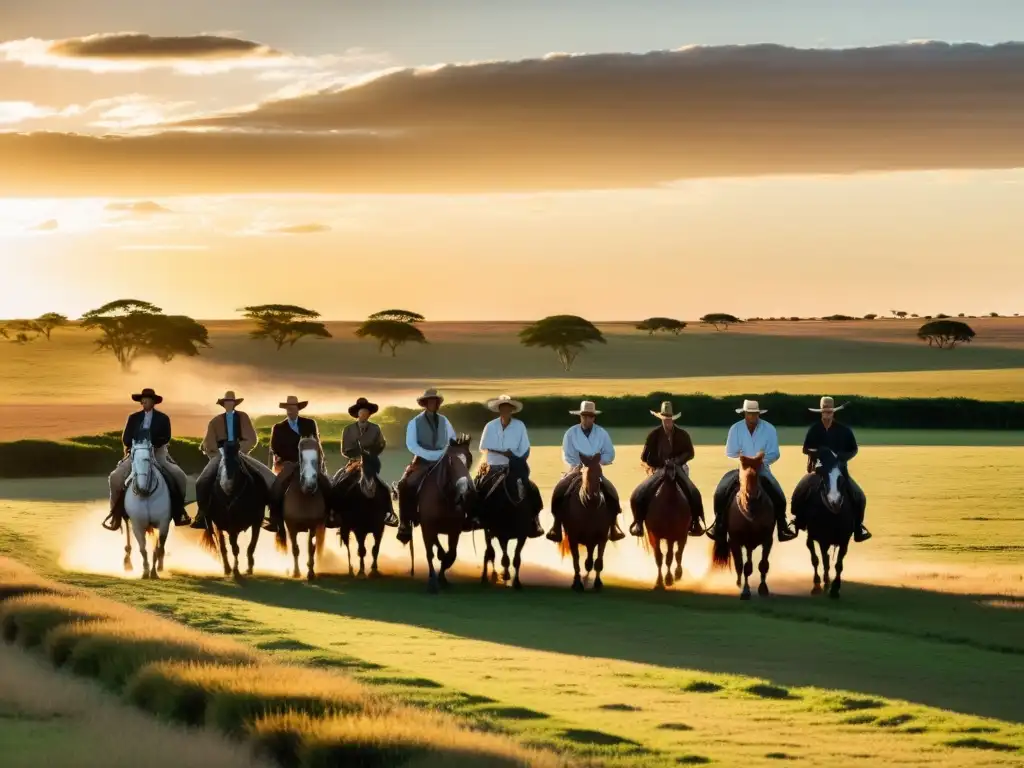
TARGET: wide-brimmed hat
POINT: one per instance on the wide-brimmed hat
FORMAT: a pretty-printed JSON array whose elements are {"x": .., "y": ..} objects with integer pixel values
[
  {"x": 666, "y": 412},
  {"x": 750, "y": 406},
  {"x": 827, "y": 404},
  {"x": 361, "y": 403},
  {"x": 430, "y": 394},
  {"x": 496, "y": 403},
  {"x": 293, "y": 400},
  {"x": 147, "y": 392},
  {"x": 586, "y": 407},
  {"x": 229, "y": 395}
]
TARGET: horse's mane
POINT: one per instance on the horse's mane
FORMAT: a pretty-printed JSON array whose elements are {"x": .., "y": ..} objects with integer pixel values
[{"x": 748, "y": 485}]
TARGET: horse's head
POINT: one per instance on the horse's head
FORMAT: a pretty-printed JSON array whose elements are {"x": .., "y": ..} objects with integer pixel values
[
  {"x": 310, "y": 458},
  {"x": 230, "y": 463},
  {"x": 518, "y": 476},
  {"x": 142, "y": 465},
  {"x": 592, "y": 474},
  {"x": 459, "y": 459},
  {"x": 750, "y": 487},
  {"x": 827, "y": 468},
  {"x": 369, "y": 470}
]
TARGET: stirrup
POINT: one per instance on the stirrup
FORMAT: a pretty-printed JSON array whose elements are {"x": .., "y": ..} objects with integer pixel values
[{"x": 861, "y": 534}]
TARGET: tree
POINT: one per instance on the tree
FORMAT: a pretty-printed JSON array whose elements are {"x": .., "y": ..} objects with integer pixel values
[
  {"x": 390, "y": 333},
  {"x": 871, "y": 316},
  {"x": 398, "y": 315},
  {"x": 945, "y": 334},
  {"x": 839, "y": 318},
  {"x": 993, "y": 314},
  {"x": 901, "y": 314},
  {"x": 21, "y": 331},
  {"x": 131, "y": 329},
  {"x": 284, "y": 323},
  {"x": 567, "y": 335},
  {"x": 665, "y": 324},
  {"x": 720, "y": 320},
  {"x": 49, "y": 321}
]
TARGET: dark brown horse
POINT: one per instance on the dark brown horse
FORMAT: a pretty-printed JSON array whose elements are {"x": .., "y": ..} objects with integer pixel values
[
  {"x": 831, "y": 518},
  {"x": 446, "y": 496},
  {"x": 363, "y": 508},
  {"x": 668, "y": 519},
  {"x": 586, "y": 521},
  {"x": 750, "y": 524},
  {"x": 305, "y": 509},
  {"x": 506, "y": 508},
  {"x": 237, "y": 501}
]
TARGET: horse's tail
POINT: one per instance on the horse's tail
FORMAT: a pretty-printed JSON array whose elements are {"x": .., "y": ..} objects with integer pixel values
[
  {"x": 207, "y": 541},
  {"x": 720, "y": 552},
  {"x": 321, "y": 533},
  {"x": 564, "y": 547},
  {"x": 649, "y": 542},
  {"x": 281, "y": 539}
]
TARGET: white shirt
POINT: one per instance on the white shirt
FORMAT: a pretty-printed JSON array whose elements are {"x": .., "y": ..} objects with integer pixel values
[
  {"x": 412, "y": 444},
  {"x": 497, "y": 438},
  {"x": 147, "y": 419},
  {"x": 741, "y": 443},
  {"x": 575, "y": 444}
]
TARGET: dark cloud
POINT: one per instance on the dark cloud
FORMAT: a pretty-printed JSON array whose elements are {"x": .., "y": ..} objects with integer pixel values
[
  {"x": 133, "y": 45},
  {"x": 50, "y": 225},
  {"x": 141, "y": 208},
  {"x": 301, "y": 229},
  {"x": 564, "y": 122}
]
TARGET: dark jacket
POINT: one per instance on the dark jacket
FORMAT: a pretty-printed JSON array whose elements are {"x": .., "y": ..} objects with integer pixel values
[
  {"x": 661, "y": 446},
  {"x": 159, "y": 429},
  {"x": 839, "y": 438},
  {"x": 370, "y": 439},
  {"x": 284, "y": 441}
]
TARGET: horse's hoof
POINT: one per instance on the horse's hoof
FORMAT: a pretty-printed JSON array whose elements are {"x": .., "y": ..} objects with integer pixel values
[
  {"x": 679, "y": 574},
  {"x": 361, "y": 575},
  {"x": 834, "y": 594},
  {"x": 374, "y": 573},
  {"x": 517, "y": 584},
  {"x": 598, "y": 585},
  {"x": 432, "y": 586},
  {"x": 248, "y": 571},
  {"x": 494, "y": 577},
  {"x": 669, "y": 581},
  {"x": 442, "y": 580},
  {"x": 745, "y": 594},
  {"x": 296, "y": 574},
  {"x": 659, "y": 586},
  {"x": 311, "y": 576},
  {"x": 763, "y": 590},
  {"x": 127, "y": 566},
  {"x": 145, "y": 574},
  {"x": 227, "y": 571},
  {"x": 577, "y": 585},
  {"x": 817, "y": 590},
  {"x": 154, "y": 575}
]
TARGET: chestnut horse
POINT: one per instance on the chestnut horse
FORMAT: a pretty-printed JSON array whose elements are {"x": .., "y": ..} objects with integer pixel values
[
  {"x": 304, "y": 508},
  {"x": 446, "y": 496},
  {"x": 586, "y": 522},
  {"x": 668, "y": 519},
  {"x": 750, "y": 524}
]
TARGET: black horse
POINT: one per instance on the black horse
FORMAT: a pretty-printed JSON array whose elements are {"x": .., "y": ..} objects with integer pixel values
[
  {"x": 237, "y": 499},
  {"x": 363, "y": 506},
  {"x": 822, "y": 502},
  {"x": 507, "y": 506}
]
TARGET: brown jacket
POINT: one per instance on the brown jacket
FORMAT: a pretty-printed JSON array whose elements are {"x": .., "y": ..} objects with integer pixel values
[
  {"x": 662, "y": 446},
  {"x": 369, "y": 437},
  {"x": 217, "y": 433}
]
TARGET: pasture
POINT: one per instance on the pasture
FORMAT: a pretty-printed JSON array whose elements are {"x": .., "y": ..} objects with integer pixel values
[{"x": 920, "y": 662}]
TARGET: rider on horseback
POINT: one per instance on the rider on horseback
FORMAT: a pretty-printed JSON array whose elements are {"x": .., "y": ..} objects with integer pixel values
[
  {"x": 427, "y": 437},
  {"x": 751, "y": 437},
  {"x": 667, "y": 444},
  {"x": 838, "y": 438},
  {"x": 284, "y": 445},
  {"x": 158, "y": 426},
  {"x": 585, "y": 439},
  {"x": 360, "y": 439},
  {"x": 503, "y": 440},
  {"x": 232, "y": 426}
]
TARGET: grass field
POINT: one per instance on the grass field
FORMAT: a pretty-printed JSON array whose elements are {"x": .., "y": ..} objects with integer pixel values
[{"x": 921, "y": 662}]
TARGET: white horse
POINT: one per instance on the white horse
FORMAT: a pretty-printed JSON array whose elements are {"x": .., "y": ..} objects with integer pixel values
[{"x": 147, "y": 505}]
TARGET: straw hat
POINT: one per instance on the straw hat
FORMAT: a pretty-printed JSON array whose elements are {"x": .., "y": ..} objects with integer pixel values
[
  {"x": 750, "y": 406},
  {"x": 827, "y": 404},
  {"x": 147, "y": 392},
  {"x": 495, "y": 405},
  {"x": 430, "y": 394},
  {"x": 229, "y": 396},
  {"x": 666, "y": 412},
  {"x": 293, "y": 400},
  {"x": 586, "y": 407}
]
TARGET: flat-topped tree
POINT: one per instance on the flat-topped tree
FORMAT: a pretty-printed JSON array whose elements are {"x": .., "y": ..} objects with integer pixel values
[
  {"x": 945, "y": 334},
  {"x": 666, "y": 325},
  {"x": 131, "y": 329},
  {"x": 720, "y": 320},
  {"x": 567, "y": 335},
  {"x": 397, "y": 315},
  {"x": 284, "y": 323},
  {"x": 49, "y": 321},
  {"x": 392, "y": 328}
]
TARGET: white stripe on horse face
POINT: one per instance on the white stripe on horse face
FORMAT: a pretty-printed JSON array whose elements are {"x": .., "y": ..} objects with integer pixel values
[{"x": 833, "y": 486}]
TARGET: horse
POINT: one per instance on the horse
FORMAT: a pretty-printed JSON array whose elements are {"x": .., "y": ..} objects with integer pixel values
[
  {"x": 668, "y": 519},
  {"x": 445, "y": 496},
  {"x": 831, "y": 518},
  {"x": 304, "y": 508},
  {"x": 586, "y": 522},
  {"x": 363, "y": 509},
  {"x": 750, "y": 524},
  {"x": 237, "y": 503},
  {"x": 507, "y": 514},
  {"x": 147, "y": 505}
]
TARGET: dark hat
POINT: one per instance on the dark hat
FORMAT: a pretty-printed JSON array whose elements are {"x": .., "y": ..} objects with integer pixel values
[
  {"x": 147, "y": 392},
  {"x": 361, "y": 403}
]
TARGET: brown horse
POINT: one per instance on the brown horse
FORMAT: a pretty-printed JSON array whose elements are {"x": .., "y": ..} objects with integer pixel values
[
  {"x": 304, "y": 507},
  {"x": 446, "y": 496},
  {"x": 750, "y": 524},
  {"x": 668, "y": 519},
  {"x": 586, "y": 521},
  {"x": 363, "y": 508}
]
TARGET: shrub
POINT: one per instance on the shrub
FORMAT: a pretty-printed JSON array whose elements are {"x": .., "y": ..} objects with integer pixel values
[{"x": 27, "y": 619}]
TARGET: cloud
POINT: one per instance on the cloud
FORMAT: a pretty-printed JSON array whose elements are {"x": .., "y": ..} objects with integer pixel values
[
  {"x": 13, "y": 112},
  {"x": 573, "y": 122},
  {"x": 300, "y": 229},
  {"x": 134, "y": 52},
  {"x": 141, "y": 208},
  {"x": 50, "y": 225},
  {"x": 163, "y": 247}
]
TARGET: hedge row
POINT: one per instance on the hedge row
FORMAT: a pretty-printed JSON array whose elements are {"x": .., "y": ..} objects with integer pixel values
[{"x": 301, "y": 716}]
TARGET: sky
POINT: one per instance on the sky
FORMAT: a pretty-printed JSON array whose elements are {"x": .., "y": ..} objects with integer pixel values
[{"x": 485, "y": 160}]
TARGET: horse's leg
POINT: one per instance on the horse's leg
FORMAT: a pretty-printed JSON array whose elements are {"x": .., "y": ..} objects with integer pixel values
[
  {"x": 814, "y": 562},
  {"x": 374, "y": 553},
  {"x": 412, "y": 557},
  {"x": 748, "y": 569},
  {"x": 506, "y": 561},
  {"x": 737, "y": 558},
  {"x": 670, "y": 555},
  {"x": 362, "y": 556},
  {"x": 158, "y": 549},
  {"x": 254, "y": 538},
  {"x": 345, "y": 539},
  {"x": 140, "y": 539},
  {"x": 588, "y": 566},
  {"x": 825, "y": 565},
  {"x": 660, "y": 583},
  {"x": 517, "y": 562},
  {"x": 577, "y": 582},
  {"x": 838, "y": 583},
  {"x": 428, "y": 544},
  {"x": 450, "y": 557},
  {"x": 294, "y": 536},
  {"x": 311, "y": 562},
  {"x": 127, "y": 545},
  {"x": 766, "y": 550},
  {"x": 234, "y": 554},
  {"x": 223, "y": 552},
  {"x": 489, "y": 556},
  {"x": 679, "y": 556},
  {"x": 599, "y": 566}
]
